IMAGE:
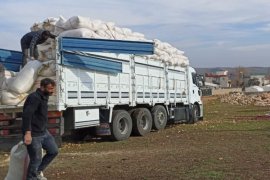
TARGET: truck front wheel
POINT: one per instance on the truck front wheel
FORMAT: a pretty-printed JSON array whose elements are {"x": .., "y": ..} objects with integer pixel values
[
  {"x": 121, "y": 125},
  {"x": 142, "y": 121},
  {"x": 160, "y": 117},
  {"x": 195, "y": 114}
]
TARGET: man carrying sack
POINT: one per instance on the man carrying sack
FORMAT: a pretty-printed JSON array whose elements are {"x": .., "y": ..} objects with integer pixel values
[{"x": 35, "y": 133}]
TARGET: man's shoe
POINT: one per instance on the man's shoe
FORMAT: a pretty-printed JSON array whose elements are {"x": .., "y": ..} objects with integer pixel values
[{"x": 40, "y": 176}]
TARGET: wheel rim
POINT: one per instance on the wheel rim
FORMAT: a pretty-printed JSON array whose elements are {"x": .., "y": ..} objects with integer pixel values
[
  {"x": 143, "y": 122},
  {"x": 161, "y": 118},
  {"x": 122, "y": 126}
]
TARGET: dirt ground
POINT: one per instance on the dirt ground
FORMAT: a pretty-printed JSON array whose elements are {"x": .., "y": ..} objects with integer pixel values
[{"x": 232, "y": 142}]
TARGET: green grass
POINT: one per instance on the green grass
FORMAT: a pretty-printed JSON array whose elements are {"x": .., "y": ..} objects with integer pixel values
[
  {"x": 208, "y": 174},
  {"x": 205, "y": 170},
  {"x": 239, "y": 143},
  {"x": 222, "y": 116}
]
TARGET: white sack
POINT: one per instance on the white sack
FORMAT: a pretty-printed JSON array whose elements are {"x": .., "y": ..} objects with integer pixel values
[
  {"x": 103, "y": 34},
  {"x": 49, "y": 24},
  {"x": 119, "y": 36},
  {"x": 24, "y": 80},
  {"x": 83, "y": 27},
  {"x": 36, "y": 27},
  {"x": 51, "y": 54},
  {"x": 59, "y": 26},
  {"x": 76, "y": 22},
  {"x": 96, "y": 24},
  {"x": 11, "y": 98},
  {"x": 18, "y": 164},
  {"x": 127, "y": 31},
  {"x": 81, "y": 32},
  {"x": 5, "y": 75},
  {"x": 47, "y": 55},
  {"x": 110, "y": 25},
  {"x": 118, "y": 30},
  {"x": 48, "y": 69},
  {"x": 47, "y": 51}
]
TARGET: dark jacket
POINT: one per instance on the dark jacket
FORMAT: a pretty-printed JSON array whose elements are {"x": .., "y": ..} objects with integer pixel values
[
  {"x": 35, "y": 113},
  {"x": 32, "y": 39}
]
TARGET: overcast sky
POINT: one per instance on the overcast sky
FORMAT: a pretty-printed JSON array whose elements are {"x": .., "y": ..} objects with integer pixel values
[{"x": 212, "y": 33}]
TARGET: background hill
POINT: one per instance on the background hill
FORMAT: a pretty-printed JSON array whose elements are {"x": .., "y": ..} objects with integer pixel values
[{"x": 233, "y": 70}]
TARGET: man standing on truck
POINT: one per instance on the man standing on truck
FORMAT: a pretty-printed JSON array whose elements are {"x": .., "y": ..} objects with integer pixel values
[
  {"x": 31, "y": 40},
  {"x": 35, "y": 133}
]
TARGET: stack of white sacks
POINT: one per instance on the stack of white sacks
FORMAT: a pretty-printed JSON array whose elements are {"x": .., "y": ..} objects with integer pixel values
[{"x": 16, "y": 86}]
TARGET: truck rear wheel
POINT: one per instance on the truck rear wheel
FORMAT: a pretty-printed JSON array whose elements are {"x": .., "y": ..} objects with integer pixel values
[
  {"x": 142, "y": 121},
  {"x": 121, "y": 125},
  {"x": 131, "y": 111},
  {"x": 160, "y": 117}
]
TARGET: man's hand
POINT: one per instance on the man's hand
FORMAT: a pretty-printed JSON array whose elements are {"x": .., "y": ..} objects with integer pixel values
[
  {"x": 27, "y": 138},
  {"x": 53, "y": 36}
]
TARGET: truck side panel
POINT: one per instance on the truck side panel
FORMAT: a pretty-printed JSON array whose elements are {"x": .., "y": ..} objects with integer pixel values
[
  {"x": 107, "y": 45},
  {"x": 153, "y": 83},
  {"x": 84, "y": 87},
  {"x": 12, "y": 60}
]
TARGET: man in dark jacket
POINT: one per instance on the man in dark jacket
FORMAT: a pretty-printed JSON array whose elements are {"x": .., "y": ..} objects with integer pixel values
[
  {"x": 30, "y": 41},
  {"x": 35, "y": 133}
]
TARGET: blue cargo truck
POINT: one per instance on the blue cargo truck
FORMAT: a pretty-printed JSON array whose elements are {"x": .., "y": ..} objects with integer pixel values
[{"x": 111, "y": 87}]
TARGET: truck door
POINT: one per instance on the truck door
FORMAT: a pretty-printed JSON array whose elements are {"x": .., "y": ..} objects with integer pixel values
[{"x": 194, "y": 90}]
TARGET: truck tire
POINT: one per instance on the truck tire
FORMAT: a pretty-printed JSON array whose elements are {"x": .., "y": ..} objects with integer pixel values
[
  {"x": 142, "y": 121},
  {"x": 160, "y": 117},
  {"x": 195, "y": 114},
  {"x": 131, "y": 111},
  {"x": 121, "y": 125}
]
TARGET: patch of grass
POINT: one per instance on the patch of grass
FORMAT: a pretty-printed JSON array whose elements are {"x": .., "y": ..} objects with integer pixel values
[
  {"x": 244, "y": 126},
  {"x": 206, "y": 170},
  {"x": 224, "y": 111},
  {"x": 222, "y": 116},
  {"x": 212, "y": 174},
  {"x": 267, "y": 147},
  {"x": 209, "y": 174}
]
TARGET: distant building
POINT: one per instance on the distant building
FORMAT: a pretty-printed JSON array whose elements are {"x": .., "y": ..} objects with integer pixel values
[
  {"x": 219, "y": 78},
  {"x": 221, "y": 73},
  {"x": 261, "y": 78}
]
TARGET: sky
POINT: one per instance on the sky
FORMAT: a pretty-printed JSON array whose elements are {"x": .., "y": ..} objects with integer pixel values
[{"x": 212, "y": 33}]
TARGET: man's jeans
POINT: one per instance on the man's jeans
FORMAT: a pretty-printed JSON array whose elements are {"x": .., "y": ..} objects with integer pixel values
[
  {"x": 26, "y": 55},
  {"x": 37, "y": 163}
]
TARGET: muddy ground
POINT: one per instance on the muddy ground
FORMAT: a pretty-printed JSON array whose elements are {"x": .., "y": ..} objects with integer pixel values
[{"x": 232, "y": 142}]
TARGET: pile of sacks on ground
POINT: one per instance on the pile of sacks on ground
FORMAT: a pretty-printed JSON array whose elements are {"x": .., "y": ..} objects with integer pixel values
[
  {"x": 240, "y": 98},
  {"x": 15, "y": 86},
  {"x": 254, "y": 89}
]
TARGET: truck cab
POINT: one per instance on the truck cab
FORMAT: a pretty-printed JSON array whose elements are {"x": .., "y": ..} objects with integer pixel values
[{"x": 195, "y": 93}]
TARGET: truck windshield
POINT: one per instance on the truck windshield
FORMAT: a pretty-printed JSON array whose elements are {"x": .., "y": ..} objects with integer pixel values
[
  {"x": 197, "y": 79},
  {"x": 194, "y": 78}
]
